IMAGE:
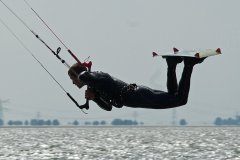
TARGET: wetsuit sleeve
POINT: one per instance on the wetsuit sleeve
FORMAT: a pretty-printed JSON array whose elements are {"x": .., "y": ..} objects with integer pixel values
[
  {"x": 88, "y": 77},
  {"x": 97, "y": 80},
  {"x": 103, "y": 103}
]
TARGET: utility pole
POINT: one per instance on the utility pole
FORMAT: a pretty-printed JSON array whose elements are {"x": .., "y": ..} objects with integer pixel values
[
  {"x": 135, "y": 115},
  {"x": 2, "y": 108},
  {"x": 38, "y": 116},
  {"x": 174, "y": 117}
]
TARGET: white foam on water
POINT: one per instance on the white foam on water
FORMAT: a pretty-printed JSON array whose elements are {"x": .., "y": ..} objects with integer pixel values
[{"x": 120, "y": 143}]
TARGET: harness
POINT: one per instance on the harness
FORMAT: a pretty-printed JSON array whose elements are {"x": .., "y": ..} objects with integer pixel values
[{"x": 126, "y": 89}]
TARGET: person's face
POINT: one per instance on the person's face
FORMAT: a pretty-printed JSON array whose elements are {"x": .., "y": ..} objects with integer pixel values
[{"x": 77, "y": 82}]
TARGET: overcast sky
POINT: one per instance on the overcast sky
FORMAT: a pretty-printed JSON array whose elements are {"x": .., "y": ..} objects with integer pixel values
[{"x": 120, "y": 36}]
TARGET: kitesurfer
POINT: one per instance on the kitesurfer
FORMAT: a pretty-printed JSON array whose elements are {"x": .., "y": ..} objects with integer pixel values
[{"x": 108, "y": 91}]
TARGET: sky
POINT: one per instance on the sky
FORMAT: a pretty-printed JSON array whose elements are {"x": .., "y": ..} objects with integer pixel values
[{"x": 119, "y": 37}]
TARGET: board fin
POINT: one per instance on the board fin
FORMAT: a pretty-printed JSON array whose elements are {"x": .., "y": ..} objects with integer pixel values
[
  {"x": 175, "y": 50},
  {"x": 219, "y": 51},
  {"x": 197, "y": 55},
  {"x": 154, "y": 54}
]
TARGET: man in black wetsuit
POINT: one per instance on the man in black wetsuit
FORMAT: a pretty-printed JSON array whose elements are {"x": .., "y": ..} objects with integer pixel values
[{"x": 108, "y": 91}]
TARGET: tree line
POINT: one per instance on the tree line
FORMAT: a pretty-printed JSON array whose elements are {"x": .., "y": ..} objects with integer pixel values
[
  {"x": 32, "y": 122},
  {"x": 227, "y": 121},
  {"x": 56, "y": 122}
]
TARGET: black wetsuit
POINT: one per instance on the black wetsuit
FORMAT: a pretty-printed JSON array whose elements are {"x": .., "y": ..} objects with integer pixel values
[{"x": 114, "y": 92}]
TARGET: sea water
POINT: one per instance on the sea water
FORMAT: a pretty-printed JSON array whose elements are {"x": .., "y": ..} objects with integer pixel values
[{"x": 136, "y": 143}]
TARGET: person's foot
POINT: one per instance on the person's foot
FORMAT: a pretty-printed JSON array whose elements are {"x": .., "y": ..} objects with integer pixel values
[
  {"x": 192, "y": 61},
  {"x": 173, "y": 60}
]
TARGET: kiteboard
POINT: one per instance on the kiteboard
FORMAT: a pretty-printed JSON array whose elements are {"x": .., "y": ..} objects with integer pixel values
[{"x": 190, "y": 53}]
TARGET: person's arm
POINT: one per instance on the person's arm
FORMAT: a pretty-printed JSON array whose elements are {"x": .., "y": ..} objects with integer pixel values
[{"x": 101, "y": 102}]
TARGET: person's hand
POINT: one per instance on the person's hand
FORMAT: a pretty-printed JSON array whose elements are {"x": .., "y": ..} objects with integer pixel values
[{"x": 89, "y": 94}]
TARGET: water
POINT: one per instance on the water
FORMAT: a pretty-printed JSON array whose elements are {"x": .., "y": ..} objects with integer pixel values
[{"x": 135, "y": 143}]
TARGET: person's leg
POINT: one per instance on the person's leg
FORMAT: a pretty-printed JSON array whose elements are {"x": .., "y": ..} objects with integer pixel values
[
  {"x": 144, "y": 97},
  {"x": 184, "y": 84},
  {"x": 172, "y": 84}
]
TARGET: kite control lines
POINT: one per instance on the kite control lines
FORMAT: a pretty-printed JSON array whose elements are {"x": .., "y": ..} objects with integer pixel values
[{"x": 85, "y": 64}]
